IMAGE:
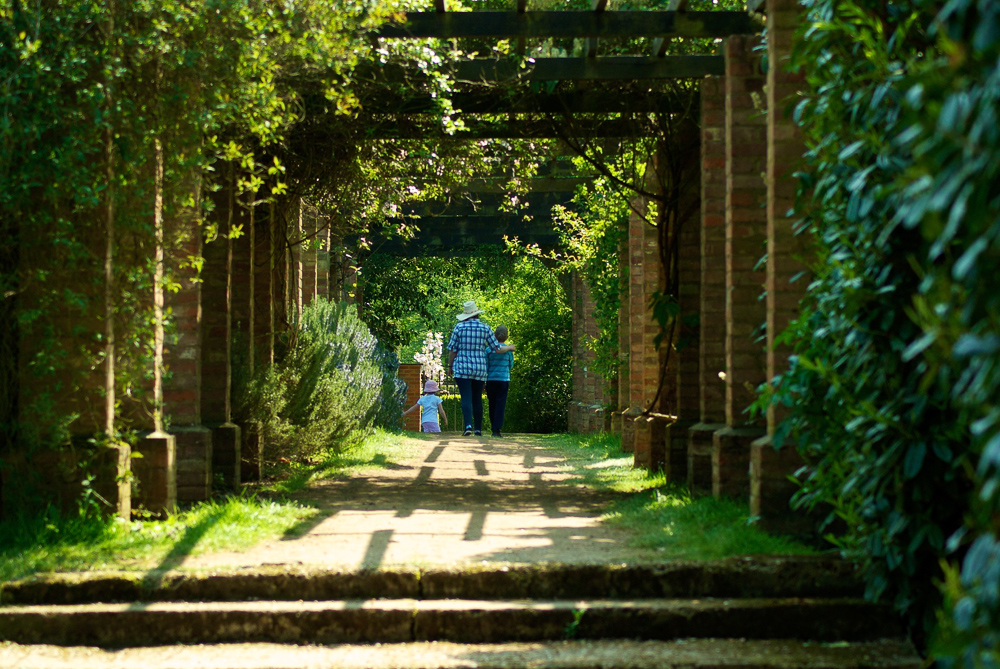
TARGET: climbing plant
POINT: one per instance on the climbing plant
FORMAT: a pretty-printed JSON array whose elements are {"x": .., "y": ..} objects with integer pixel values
[{"x": 894, "y": 382}]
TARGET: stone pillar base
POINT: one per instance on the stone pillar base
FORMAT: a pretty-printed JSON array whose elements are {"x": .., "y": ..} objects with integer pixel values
[
  {"x": 628, "y": 431},
  {"x": 194, "y": 463},
  {"x": 771, "y": 490},
  {"x": 650, "y": 446},
  {"x": 675, "y": 440},
  {"x": 731, "y": 461},
  {"x": 616, "y": 422},
  {"x": 156, "y": 474},
  {"x": 699, "y": 456},
  {"x": 226, "y": 449}
]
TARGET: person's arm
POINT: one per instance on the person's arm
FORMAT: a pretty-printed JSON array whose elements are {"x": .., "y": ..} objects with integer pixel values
[
  {"x": 506, "y": 348},
  {"x": 451, "y": 363},
  {"x": 442, "y": 416},
  {"x": 411, "y": 409}
]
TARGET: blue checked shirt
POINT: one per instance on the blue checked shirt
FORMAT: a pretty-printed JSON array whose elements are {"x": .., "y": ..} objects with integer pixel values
[{"x": 470, "y": 340}]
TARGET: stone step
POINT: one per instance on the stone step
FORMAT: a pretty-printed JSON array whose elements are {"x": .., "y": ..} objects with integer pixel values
[
  {"x": 737, "y": 577},
  {"x": 461, "y": 621},
  {"x": 681, "y": 654}
]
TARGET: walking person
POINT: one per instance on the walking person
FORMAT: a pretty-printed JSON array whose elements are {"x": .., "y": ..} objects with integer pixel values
[
  {"x": 430, "y": 408},
  {"x": 470, "y": 339},
  {"x": 498, "y": 366}
]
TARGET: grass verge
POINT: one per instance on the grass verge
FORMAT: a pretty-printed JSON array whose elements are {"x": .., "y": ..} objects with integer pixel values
[
  {"x": 51, "y": 542},
  {"x": 663, "y": 517}
]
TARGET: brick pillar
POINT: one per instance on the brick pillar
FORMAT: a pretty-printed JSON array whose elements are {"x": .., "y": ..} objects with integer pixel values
[
  {"x": 246, "y": 264},
  {"x": 621, "y": 420},
  {"x": 683, "y": 401},
  {"x": 595, "y": 399},
  {"x": 183, "y": 356},
  {"x": 308, "y": 252},
  {"x": 575, "y": 408},
  {"x": 770, "y": 489},
  {"x": 410, "y": 374},
  {"x": 644, "y": 359},
  {"x": 323, "y": 260},
  {"x": 295, "y": 280},
  {"x": 712, "y": 272},
  {"x": 216, "y": 350},
  {"x": 746, "y": 233}
]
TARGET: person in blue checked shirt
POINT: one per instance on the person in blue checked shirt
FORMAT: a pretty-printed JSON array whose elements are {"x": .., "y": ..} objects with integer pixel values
[
  {"x": 470, "y": 339},
  {"x": 498, "y": 366}
]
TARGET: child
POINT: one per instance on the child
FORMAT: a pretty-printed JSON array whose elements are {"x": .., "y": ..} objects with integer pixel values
[
  {"x": 429, "y": 405},
  {"x": 498, "y": 366}
]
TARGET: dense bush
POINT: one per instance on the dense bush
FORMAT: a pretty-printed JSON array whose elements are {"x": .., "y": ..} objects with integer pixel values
[
  {"x": 332, "y": 380},
  {"x": 894, "y": 385}
]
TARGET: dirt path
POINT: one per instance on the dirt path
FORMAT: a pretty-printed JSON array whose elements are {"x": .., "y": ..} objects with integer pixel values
[{"x": 462, "y": 500}]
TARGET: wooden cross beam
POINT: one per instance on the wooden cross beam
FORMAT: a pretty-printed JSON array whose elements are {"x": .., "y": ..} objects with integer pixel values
[
  {"x": 607, "y": 68},
  {"x": 573, "y": 24}
]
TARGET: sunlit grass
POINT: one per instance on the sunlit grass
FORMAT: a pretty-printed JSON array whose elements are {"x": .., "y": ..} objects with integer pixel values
[
  {"x": 665, "y": 517},
  {"x": 596, "y": 460},
  {"x": 51, "y": 543},
  {"x": 703, "y": 528},
  {"x": 379, "y": 450}
]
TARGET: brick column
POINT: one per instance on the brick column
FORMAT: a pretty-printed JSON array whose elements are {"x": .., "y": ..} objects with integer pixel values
[
  {"x": 308, "y": 252},
  {"x": 182, "y": 356},
  {"x": 216, "y": 350},
  {"x": 770, "y": 489},
  {"x": 575, "y": 408},
  {"x": 644, "y": 359},
  {"x": 410, "y": 374},
  {"x": 712, "y": 277},
  {"x": 683, "y": 402},
  {"x": 746, "y": 233},
  {"x": 594, "y": 384},
  {"x": 323, "y": 261},
  {"x": 244, "y": 318},
  {"x": 621, "y": 422}
]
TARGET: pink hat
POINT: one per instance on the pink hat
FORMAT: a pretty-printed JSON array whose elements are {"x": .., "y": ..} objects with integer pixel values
[{"x": 431, "y": 386}]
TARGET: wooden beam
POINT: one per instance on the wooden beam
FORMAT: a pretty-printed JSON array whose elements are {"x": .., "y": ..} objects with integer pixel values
[
  {"x": 439, "y": 6},
  {"x": 575, "y": 102},
  {"x": 592, "y": 69},
  {"x": 519, "y": 128},
  {"x": 574, "y": 24}
]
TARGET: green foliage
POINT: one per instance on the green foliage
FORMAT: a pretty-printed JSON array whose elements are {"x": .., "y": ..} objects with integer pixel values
[
  {"x": 408, "y": 297},
  {"x": 895, "y": 376},
  {"x": 333, "y": 379}
]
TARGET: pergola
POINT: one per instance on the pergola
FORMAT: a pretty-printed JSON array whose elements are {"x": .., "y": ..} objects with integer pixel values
[{"x": 595, "y": 92}]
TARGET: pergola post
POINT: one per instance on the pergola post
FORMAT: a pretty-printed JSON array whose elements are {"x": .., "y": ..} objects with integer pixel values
[{"x": 746, "y": 233}]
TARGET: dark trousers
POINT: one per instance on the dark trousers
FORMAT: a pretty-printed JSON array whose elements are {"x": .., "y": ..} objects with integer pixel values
[
  {"x": 496, "y": 395},
  {"x": 471, "y": 391}
]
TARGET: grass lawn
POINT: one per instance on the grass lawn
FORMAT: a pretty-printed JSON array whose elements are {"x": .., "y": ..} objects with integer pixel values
[
  {"x": 50, "y": 542},
  {"x": 666, "y": 517}
]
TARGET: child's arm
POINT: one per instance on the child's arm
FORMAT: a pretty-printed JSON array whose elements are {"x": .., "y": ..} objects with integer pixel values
[
  {"x": 411, "y": 409},
  {"x": 442, "y": 415}
]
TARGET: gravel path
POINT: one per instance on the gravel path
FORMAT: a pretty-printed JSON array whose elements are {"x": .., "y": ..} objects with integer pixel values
[{"x": 462, "y": 500}]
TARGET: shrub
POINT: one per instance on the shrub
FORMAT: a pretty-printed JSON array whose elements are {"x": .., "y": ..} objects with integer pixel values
[
  {"x": 332, "y": 380},
  {"x": 894, "y": 383}
]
